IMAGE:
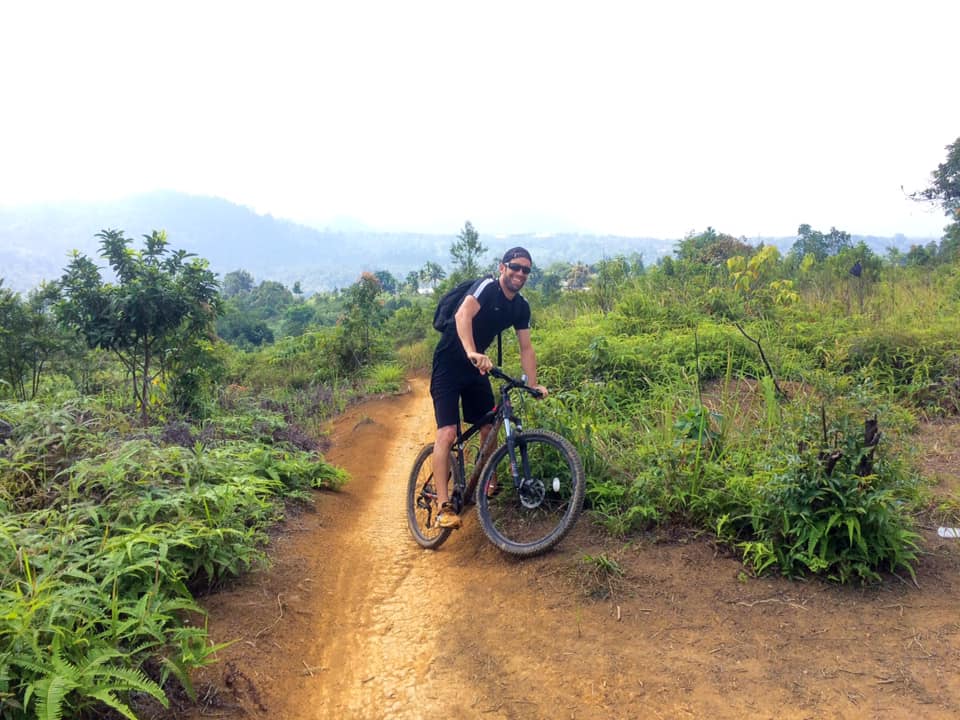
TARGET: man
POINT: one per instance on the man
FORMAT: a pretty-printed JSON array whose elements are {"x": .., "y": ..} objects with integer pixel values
[{"x": 460, "y": 366}]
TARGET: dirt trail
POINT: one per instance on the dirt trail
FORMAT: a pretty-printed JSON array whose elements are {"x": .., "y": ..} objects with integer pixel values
[{"x": 354, "y": 620}]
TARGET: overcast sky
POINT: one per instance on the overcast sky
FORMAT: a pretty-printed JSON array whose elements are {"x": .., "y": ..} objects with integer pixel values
[{"x": 632, "y": 118}]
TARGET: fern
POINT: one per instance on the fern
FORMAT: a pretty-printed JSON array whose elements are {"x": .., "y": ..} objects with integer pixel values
[{"x": 92, "y": 676}]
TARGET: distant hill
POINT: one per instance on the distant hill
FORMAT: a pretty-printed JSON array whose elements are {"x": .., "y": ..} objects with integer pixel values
[{"x": 36, "y": 242}]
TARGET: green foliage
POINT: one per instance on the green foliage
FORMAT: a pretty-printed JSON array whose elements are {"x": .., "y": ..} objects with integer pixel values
[
  {"x": 104, "y": 537},
  {"x": 609, "y": 279},
  {"x": 466, "y": 253},
  {"x": 29, "y": 339},
  {"x": 817, "y": 244},
  {"x": 945, "y": 186},
  {"x": 159, "y": 303},
  {"x": 834, "y": 507},
  {"x": 358, "y": 344},
  {"x": 920, "y": 365},
  {"x": 711, "y": 248},
  {"x": 409, "y": 324},
  {"x": 385, "y": 378}
]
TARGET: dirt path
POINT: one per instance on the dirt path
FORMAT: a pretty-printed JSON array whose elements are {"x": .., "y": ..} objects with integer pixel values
[{"x": 355, "y": 621}]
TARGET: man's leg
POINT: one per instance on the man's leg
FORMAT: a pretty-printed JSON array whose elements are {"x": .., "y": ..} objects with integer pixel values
[
  {"x": 446, "y": 408},
  {"x": 441, "y": 460}
]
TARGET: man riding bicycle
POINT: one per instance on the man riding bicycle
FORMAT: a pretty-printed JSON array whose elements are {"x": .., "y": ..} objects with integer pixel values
[{"x": 460, "y": 366}]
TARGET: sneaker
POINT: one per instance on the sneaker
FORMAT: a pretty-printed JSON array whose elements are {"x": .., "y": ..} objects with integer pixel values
[
  {"x": 493, "y": 487},
  {"x": 448, "y": 518}
]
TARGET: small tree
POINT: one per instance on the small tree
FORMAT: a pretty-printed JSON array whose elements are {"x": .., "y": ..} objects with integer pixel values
[
  {"x": 412, "y": 282},
  {"x": 608, "y": 283},
  {"x": 159, "y": 302},
  {"x": 466, "y": 252},
  {"x": 362, "y": 316},
  {"x": 432, "y": 273},
  {"x": 29, "y": 336},
  {"x": 237, "y": 283},
  {"x": 751, "y": 279}
]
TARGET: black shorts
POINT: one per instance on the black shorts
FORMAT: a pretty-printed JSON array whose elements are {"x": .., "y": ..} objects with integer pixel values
[{"x": 447, "y": 390}]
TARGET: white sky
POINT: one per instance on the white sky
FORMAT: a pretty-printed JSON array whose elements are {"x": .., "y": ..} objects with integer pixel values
[{"x": 636, "y": 118}]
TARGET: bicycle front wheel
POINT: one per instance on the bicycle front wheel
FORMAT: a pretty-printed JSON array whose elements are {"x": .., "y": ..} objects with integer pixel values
[
  {"x": 422, "y": 507},
  {"x": 532, "y": 518}
]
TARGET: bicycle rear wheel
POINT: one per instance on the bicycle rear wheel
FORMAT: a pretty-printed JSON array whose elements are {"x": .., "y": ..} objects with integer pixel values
[
  {"x": 531, "y": 519},
  {"x": 422, "y": 506}
]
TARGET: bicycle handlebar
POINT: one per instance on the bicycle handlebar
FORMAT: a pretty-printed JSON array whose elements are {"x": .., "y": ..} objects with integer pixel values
[{"x": 514, "y": 382}]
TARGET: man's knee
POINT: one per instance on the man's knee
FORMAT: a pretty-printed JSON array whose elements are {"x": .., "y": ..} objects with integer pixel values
[{"x": 446, "y": 436}]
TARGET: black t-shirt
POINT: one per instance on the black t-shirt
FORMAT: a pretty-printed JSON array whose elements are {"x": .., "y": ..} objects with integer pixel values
[{"x": 495, "y": 315}]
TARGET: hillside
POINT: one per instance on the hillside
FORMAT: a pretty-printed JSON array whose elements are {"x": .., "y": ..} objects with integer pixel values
[{"x": 36, "y": 241}]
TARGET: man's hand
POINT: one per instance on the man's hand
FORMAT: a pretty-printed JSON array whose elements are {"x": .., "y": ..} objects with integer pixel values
[
  {"x": 480, "y": 361},
  {"x": 542, "y": 390}
]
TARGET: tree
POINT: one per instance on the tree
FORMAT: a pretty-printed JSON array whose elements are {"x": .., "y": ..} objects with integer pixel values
[
  {"x": 945, "y": 186},
  {"x": 387, "y": 281},
  {"x": 945, "y": 190},
  {"x": 578, "y": 276},
  {"x": 243, "y": 329},
  {"x": 29, "y": 336},
  {"x": 819, "y": 245},
  {"x": 362, "y": 315},
  {"x": 296, "y": 318},
  {"x": 269, "y": 299},
  {"x": 466, "y": 252},
  {"x": 412, "y": 281},
  {"x": 711, "y": 248},
  {"x": 160, "y": 302},
  {"x": 610, "y": 276},
  {"x": 432, "y": 274},
  {"x": 236, "y": 283}
]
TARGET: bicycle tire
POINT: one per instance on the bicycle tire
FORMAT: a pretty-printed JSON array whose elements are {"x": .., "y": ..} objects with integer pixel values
[
  {"x": 532, "y": 521},
  {"x": 421, "y": 509}
]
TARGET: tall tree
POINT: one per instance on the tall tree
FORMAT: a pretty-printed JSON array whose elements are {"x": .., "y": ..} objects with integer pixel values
[
  {"x": 945, "y": 186},
  {"x": 945, "y": 190},
  {"x": 466, "y": 252},
  {"x": 159, "y": 302}
]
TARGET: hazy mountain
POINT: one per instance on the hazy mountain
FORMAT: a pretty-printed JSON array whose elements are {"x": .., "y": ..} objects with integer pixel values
[{"x": 36, "y": 242}]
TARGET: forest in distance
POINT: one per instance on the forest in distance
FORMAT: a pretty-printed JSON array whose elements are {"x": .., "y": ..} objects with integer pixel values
[
  {"x": 158, "y": 418},
  {"x": 36, "y": 241}
]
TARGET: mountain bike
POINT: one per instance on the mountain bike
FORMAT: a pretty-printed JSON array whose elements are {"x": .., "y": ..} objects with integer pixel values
[{"x": 528, "y": 490}]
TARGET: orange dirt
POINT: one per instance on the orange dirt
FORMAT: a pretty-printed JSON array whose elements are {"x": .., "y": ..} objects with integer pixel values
[{"x": 354, "y": 620}]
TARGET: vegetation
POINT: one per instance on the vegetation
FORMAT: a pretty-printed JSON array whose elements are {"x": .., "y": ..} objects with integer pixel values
[{"x": 764, "y": 399}]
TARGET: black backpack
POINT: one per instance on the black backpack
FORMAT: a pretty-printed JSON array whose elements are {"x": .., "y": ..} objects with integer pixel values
[
  {"x": 449, "y": 303},
  {"x": 448, "y": 306}
]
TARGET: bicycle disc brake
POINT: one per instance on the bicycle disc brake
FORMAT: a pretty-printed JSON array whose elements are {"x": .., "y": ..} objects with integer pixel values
[{"x": 532, "y": 493}]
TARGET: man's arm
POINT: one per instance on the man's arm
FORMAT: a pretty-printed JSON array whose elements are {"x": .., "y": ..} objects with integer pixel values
[{"x": 464, "y": 319}]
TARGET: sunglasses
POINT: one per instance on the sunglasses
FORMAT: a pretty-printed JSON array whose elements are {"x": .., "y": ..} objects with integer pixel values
[{"x": 517, "y": 267}]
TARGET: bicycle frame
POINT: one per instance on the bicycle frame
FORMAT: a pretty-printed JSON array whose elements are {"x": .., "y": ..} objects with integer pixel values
[{"x": 501, "y": 415}]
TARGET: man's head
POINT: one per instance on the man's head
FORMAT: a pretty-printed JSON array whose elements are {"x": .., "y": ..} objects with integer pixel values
[{"x": 514, "y": 269}]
